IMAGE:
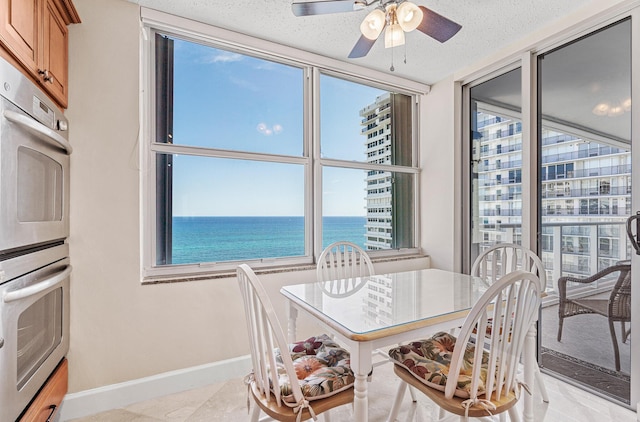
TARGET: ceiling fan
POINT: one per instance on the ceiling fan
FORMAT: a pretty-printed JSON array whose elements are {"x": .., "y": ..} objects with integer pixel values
[{"x": 395, "y": 17}]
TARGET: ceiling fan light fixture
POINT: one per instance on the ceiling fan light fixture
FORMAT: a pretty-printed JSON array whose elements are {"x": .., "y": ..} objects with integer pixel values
[
  {"x": 372, "y": 25},
  {"x": 409, "y": 16},
  {"x": 393, "y": 36}
]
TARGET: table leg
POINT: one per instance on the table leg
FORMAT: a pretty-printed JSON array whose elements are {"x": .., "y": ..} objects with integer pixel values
[
  {"x": 361, "y": 365},
  {"x": 529, "y": 372},
  {"x": 292, "y": 316}
]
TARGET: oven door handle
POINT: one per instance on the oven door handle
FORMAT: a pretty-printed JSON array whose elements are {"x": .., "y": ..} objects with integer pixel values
[
  {"x": 37, "y": 288},
  {"x": 38, "y": 129}
]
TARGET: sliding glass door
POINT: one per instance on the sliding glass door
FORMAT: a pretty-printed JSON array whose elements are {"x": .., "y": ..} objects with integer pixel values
[
  {"x": 584, "y": 147},
  {"x": 496, "y": 162},
  {"x": 550, "y": 168}
]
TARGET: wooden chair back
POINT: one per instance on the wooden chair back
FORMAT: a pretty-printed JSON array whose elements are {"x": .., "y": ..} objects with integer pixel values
[
  {"x": 503, "y": 258},
  {"x": 341, "y": 264},
  {"x": 512, "y": 304},
  {"x": 265, "y": 335}
]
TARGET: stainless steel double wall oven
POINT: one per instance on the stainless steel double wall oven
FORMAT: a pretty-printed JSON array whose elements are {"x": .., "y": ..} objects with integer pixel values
[{"x": 34, "y": 255}]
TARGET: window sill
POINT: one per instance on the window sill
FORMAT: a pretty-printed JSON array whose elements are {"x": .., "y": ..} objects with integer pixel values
[{"x": 275, "y": 270}]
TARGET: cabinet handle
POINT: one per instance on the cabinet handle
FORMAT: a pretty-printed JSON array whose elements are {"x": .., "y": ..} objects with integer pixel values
[
  {"x": 1, "y": 342},
  {"x": 53, "y": 410},
  {"x": 46, "y": 75}
]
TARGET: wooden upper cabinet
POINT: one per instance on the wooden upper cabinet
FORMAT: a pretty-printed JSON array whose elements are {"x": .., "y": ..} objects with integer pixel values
[
  {"x": 55, "y": 53},
  {"x": 34, "y": 33},
  {"x": 19, "y": 30}
]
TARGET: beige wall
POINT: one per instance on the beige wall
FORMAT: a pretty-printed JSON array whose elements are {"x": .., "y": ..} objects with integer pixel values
[
  {"x": 438, "y": 162},
  {"x": 121, "y": 330}
]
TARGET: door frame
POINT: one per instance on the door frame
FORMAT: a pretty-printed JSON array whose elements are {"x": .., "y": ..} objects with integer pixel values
[{"x": 635, "y": 206}]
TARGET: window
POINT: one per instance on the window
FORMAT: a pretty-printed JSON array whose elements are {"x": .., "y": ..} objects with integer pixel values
[{"x": 241, "y": 171}]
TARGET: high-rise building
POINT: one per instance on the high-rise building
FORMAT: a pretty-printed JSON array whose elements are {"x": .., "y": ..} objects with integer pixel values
[{"x": 376, "y": 122}]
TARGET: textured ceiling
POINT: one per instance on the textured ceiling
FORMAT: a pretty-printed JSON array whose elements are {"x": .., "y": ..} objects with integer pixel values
[{"x": 487, "y": 26}]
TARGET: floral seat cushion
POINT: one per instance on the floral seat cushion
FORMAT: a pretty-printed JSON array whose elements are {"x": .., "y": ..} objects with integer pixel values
[
  {"x": 489, "y": 329},
  {"x": 429, "y": 361},
  {"x": 322, "y": 368}
]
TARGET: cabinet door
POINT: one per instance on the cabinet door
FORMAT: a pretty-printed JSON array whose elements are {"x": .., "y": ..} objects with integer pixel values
[
  {"x": 19, "y": 30},
  {"x": 55, "y": 53},
  {"x": 49, "y": 398}
]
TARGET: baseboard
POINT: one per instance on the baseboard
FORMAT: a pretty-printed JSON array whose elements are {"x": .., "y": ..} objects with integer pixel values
[{"x": 88, "y": 402}]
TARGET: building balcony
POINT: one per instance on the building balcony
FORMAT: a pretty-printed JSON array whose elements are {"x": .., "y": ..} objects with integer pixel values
[
  {"x": 502, "y": 213},
  {"x": 593, "y": 172},
  {"x": 500, "y": 166},
  {"x": 577, "y": 193},
  {"x": 581, "y": 154}
]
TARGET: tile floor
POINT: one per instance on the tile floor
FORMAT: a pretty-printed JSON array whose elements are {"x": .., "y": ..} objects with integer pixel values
[{"x": 227, "y": 402}]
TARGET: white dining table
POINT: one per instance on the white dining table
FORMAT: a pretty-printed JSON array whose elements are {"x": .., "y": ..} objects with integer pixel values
[{"x": 392, "y": 308}]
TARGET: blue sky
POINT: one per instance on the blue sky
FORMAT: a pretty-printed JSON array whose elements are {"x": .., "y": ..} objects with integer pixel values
[{"x": 226, "y": 100}]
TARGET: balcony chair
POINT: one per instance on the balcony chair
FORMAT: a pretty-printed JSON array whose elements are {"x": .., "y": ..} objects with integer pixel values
[
  {"x": 456, "y": 374},
  {"x": 617, "y": 307},
  {"x": 501, "y": 259},
  {"x": 290, "y": 382}
]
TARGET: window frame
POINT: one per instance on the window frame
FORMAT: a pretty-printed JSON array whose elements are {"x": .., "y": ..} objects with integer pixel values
[{"x": 312, "y": 65}]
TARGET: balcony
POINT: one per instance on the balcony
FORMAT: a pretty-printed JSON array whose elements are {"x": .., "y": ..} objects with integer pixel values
[{"x": 575, "y": 249}]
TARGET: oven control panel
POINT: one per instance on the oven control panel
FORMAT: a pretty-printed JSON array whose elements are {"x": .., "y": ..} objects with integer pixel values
[{"x": 43, "y": 113}]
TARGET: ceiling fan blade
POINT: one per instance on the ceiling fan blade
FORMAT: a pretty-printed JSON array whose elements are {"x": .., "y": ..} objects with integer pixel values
[
  {"x": 362, "y": 47},
  {"x": 322, "y": 7},
  {"x": 437, "y": 26}
]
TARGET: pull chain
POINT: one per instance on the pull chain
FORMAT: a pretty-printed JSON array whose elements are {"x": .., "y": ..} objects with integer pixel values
[{"x": 392, "y": 68}]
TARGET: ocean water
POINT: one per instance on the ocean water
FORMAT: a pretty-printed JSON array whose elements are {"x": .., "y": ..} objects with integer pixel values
[{"x": 216, "y": 239}]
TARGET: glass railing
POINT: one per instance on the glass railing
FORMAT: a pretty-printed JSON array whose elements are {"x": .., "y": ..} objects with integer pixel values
[{"x": 578, "y": 249}]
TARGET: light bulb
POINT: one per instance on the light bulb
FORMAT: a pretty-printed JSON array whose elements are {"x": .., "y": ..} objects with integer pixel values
[
  {"x": 393, "y": 36},
  {"x": 372, "y": 25},
  {"x": 615, "y": 111},
  {"x": 409, "y": 16},
  {"x": 601, "y": 109}
]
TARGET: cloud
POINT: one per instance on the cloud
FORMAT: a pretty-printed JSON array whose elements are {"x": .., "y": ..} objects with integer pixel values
[
  {"x": 268, "y": 131},
  {"x": 224, "y": 57}
]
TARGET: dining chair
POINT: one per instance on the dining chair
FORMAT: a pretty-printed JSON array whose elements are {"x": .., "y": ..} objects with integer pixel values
[
  {"x": 471, "y": 378},
  {"x": 616, "y": 307},
  {"x": 340, "y": 265},
  {"x": 340, "y": 270},
  {"x": 501, "y": 259},
  {"x": 290, "y": 382}
]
